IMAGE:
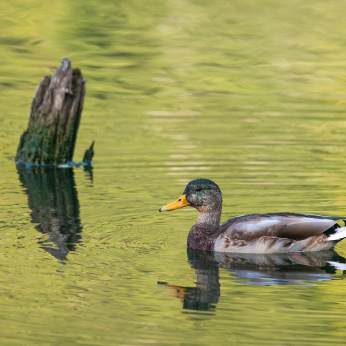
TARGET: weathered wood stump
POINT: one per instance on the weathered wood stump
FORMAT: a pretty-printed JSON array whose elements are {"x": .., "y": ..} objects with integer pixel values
[{"x": 54, "y": 120}]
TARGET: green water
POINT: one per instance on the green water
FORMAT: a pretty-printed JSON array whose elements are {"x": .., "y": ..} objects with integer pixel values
[{"x": 249, "y": 94}]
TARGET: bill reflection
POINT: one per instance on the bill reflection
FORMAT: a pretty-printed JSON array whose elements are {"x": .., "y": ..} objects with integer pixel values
[{"x": 256, "y": 269}]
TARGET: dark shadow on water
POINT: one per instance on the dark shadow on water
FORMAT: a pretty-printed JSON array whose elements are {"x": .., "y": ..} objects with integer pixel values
[
  {"x": 256, "y": 269},
  {"x": 88, "y": 170},
  {"x": 53, "y": 200}
]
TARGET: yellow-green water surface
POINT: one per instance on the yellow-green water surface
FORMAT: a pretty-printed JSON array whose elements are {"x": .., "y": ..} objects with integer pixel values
[{"x": 250, "y": 94}]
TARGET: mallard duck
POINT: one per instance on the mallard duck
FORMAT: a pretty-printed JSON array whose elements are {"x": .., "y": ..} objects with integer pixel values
[{"x": 253, "y": 233}]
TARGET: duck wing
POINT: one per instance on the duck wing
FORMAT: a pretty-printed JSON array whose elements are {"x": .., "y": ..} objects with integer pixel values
[{"x": 283, "y": 225}]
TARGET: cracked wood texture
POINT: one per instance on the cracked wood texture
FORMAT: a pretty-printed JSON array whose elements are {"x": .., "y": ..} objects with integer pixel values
[{"x": 54, "y": 118}]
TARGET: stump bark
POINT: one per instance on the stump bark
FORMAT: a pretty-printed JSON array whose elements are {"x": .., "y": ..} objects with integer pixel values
[{"x": 54, "y": 119}]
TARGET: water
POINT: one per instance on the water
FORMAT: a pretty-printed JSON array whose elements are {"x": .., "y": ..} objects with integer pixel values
[{"x": 248, "y": 94}]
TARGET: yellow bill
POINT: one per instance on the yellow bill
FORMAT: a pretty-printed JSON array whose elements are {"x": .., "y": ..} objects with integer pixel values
[{"x": 179, "y": 203}]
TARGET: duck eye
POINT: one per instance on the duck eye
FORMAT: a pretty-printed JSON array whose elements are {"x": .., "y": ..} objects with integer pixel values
[{"x": 198, "y": 189}]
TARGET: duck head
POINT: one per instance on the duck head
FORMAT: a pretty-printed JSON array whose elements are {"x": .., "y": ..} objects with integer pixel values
[{"x": 202, "y": 194}]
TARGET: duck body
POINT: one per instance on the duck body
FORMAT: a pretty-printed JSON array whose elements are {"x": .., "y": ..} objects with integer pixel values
[
  {"x": 253, "y": 233},
  {"x": 277, "y": 233}
]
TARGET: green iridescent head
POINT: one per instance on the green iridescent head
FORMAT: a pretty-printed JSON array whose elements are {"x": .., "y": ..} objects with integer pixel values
[{"x": 202, "y": 192}]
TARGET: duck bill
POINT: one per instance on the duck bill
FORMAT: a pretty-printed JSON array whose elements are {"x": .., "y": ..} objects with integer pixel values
[{"x": 181, "y": 202}]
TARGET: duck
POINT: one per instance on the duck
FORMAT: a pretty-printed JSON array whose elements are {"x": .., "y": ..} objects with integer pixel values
[{"x": 283, "y": 232}]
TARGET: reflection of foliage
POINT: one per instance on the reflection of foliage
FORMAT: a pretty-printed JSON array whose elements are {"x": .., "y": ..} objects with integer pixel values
[
  {"x": 266, "y": 78},
  {"x": 52, "y": 197}
]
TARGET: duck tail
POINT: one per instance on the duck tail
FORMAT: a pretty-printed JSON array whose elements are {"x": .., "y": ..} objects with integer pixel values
[
  {"x": 338, "y": 265},
  {"x": 338, "y": 235}
]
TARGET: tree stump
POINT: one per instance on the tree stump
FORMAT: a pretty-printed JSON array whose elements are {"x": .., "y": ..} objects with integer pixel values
[{"x": 54, "y": 120}]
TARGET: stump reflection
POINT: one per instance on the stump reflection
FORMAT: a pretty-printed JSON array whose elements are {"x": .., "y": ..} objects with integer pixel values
[{"x": 52, "y": 197}]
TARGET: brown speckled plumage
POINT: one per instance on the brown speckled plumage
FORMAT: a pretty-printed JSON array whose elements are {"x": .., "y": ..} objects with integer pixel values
[
  {"x": 201, "y": 238},
  {"x": 255, "y": 233}
]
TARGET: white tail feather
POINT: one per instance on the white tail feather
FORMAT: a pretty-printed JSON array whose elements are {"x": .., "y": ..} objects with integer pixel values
[
  {"x": 338, "y": 265},
  {"x": 340, "y": 234}
]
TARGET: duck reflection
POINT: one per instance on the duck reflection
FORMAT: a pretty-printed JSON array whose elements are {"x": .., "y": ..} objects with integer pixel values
[
  {"x": 259, "y": 269},
  {"x": 52, "y": 197}
]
